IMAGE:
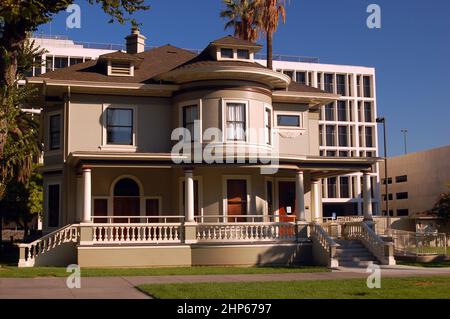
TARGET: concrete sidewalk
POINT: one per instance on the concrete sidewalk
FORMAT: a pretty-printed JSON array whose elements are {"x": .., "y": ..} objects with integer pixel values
[{"x": 124, "y": 287}]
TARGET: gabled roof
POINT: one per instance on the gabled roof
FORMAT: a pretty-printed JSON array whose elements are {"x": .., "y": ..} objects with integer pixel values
[
  {"x": 119, "y": 55},
  {"x": 236, "y": 42}
]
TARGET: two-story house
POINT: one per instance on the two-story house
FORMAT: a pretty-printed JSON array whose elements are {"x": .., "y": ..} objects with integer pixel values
[{"x": 165, "y": 157}]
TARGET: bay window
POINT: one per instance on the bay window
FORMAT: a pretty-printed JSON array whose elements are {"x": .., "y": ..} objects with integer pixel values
[{"x": 235, "y": 121}]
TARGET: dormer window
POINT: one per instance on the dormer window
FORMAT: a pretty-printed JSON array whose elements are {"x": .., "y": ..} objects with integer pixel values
[
  {"x": 226, "y": 53},
  {"x": 243, "y": 54},
  {"x": 120, "y": 68}
]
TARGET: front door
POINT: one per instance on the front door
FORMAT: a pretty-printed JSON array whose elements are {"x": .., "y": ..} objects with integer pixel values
[
  {"x": 286, "y": 201},
  {"x": 126, "y": 206},
  {"x": 236, "y": 199}
]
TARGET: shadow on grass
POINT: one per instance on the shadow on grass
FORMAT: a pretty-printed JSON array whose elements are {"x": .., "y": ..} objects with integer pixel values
[{"x": 9, "y": 254}]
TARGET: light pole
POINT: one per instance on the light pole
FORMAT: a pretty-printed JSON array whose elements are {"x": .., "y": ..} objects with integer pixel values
[
  {"x": 383, "y": 121},
  {"x": 405, "y": 132}
]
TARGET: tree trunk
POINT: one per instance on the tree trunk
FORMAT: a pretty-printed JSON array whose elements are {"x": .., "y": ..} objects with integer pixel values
[{"x": 269, "y": 50}]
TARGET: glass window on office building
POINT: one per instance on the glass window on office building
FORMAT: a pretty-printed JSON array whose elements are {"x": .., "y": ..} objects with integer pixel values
[
  {"x": 300, "y": 77},
  {"x": 342, "y": 111},
  {"x": 331, "y": 187},
  {"x": 368, "y": 112},
  {"x": 401, "y": 179},
  {"x": 74, "y": 61},
  {"x": 320, "y": 135},
  {"x": 329, "y": 84},
  {"x": 340, "y": 83},
  {"x": 319, "y": 80},
  {"x": 331, "y": 153},
  {"x": 61, "y": 62},
  {"x": 367, "y": 86},
  {"x": 343, "y": 153},
  {"x": 48, "y": 63},
  {"x": 330, "y": 135},
  {"x": 369, "y": 136},
  {"x": 344, "y": 187},
  {"x": 343, "y": 135},
  {"x": 329, "y": 112}
]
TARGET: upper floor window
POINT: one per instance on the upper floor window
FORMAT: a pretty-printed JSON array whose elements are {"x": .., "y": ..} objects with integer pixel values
[
  {"x": 300, "y": 77},
  {"x": 369, "y": 137},
  {"x": 367, "y": 86},
  {"x": 343, "y": 135},
  {"x": 329, "y": 112},
  {"x": 340, "y": 83},
  {"x": 330, "y": 135},
  {"x": 190, "y": 115},
  {"x": 329, "y": 85},
  {"x": 235, "y": 121},
  {"x": 55, "y": 132},
  {"x": 288, "y": 120},
  {"x": 401, "y": 179},
  {"x": 367, "y": 112},
  {"x": 403, "y": 195},
  {"x": 74, "y": 61},
  {"x": 119, "y": 126},
  {"x": 226, "y": 53},
  {"x": 243, "y": 54},
  {"x": 342, "y": 111},
  {"x": 268, "y": 126}
]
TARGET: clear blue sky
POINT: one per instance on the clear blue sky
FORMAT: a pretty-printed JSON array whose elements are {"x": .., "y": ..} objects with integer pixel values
[{"x": 411, "y": 51}]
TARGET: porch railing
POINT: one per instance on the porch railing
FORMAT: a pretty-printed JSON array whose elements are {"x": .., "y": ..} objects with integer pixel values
[
  {"x": 137, "y": 219},
  {"x": 280, "y": 231},
  {"x": 137, "y": 233},
  {"x": 419, "y": 244}
]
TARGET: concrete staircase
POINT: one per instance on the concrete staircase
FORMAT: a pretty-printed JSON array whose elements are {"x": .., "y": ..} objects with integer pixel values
[{"x": 352, "y": 253}]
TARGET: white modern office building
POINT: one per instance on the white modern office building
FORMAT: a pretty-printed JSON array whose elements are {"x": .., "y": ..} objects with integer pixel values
[{"x": 347, "y": 126}]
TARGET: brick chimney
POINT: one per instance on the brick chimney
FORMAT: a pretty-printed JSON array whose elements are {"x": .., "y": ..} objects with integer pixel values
[{"x": 135, "y": 42}]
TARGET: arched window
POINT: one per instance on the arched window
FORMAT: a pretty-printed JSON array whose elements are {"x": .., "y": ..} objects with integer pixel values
[{"x": 126, "y": 187}]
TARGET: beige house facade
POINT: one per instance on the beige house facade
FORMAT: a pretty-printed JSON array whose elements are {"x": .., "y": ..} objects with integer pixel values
[{"x": 165, "y": 157}]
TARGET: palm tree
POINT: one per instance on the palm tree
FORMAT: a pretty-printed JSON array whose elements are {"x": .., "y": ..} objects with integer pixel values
[
  {"x": 241, "y": 16},
  {"x": 269, "y": 12}
]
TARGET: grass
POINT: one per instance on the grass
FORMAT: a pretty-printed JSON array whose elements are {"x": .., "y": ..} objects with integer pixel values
[
  {"x": 435, "y": 287},
  {"x": 433, "y": 264},
  {"x": 15, "y": 272}
]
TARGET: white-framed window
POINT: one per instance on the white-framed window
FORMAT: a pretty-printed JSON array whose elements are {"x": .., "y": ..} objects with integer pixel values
[
  {"x": 235, "y": 120},
  {"x": 191, "y": 111},
  {"x": 54, "y": 134},
  {"x": 119, "y": 126},
  {"x": 242, "y": 54},
  {"x": 289, "y": 120},
  {"x": 268, "y": 125}
]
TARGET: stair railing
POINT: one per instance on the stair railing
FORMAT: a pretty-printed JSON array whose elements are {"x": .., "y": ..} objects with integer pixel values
[
  {"x": 29, "y": 252},
  {"x": 324, "y": 247},
  {"x": 383, "y": 251}
]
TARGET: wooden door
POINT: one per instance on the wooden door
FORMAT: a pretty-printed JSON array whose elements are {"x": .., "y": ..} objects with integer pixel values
[
  {"x": 236, "y": 199},
  {"x": 286, "y": 201},
  {"x": 126, "y": 206},
  {"x": 100, "y": 209}
]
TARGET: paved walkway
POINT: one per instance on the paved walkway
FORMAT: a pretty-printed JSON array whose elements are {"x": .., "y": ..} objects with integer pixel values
[{"x": 123, "y": 287}]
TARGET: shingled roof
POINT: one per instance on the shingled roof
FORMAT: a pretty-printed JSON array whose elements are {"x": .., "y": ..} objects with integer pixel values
[
  {"x": 154, "y": 62},
  {"x": 233, "y": 41}
]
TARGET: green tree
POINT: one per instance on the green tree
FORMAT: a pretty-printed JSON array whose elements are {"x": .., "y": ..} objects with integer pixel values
[
  {"x": 269, "y": 13},
  {"x": 23, "y": 201},
  {"x": 442, "y": 206},
  {"x": 19, "y": 18},
  {"x": 241, "y": 15}
]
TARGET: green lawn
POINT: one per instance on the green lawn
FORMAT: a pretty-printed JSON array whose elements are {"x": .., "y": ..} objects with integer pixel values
[
  {"x": 433, "y": 264},
  {"x": 14, "y": 272},
  {"x": 436, "y": 287}
]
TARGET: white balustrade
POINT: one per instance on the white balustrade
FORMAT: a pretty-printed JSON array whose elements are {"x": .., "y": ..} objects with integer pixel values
[
  {"x": 29, "y": 252},
  {"x": 136, "y": 233},
  {"x": 246, "y": 232}
]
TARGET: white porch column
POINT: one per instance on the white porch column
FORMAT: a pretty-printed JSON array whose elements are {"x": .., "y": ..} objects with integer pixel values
[
  {"x": 315, "y": 199},
  {"x": 86, "y": 194},
  {"x": 189, "y": 195},
  {"x": 367, "y": 203},
  {"x": 300, "y": 196},
  {"x": 79, "y": 203}
]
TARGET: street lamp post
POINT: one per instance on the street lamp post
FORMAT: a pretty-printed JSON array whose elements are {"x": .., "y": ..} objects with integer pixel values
[
  {"x": 405, "y": 132},
  {"x": 383, "y": 121}
]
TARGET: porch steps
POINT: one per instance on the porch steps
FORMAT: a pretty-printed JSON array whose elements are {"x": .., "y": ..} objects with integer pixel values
[{"x": 352, "y": 253}]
